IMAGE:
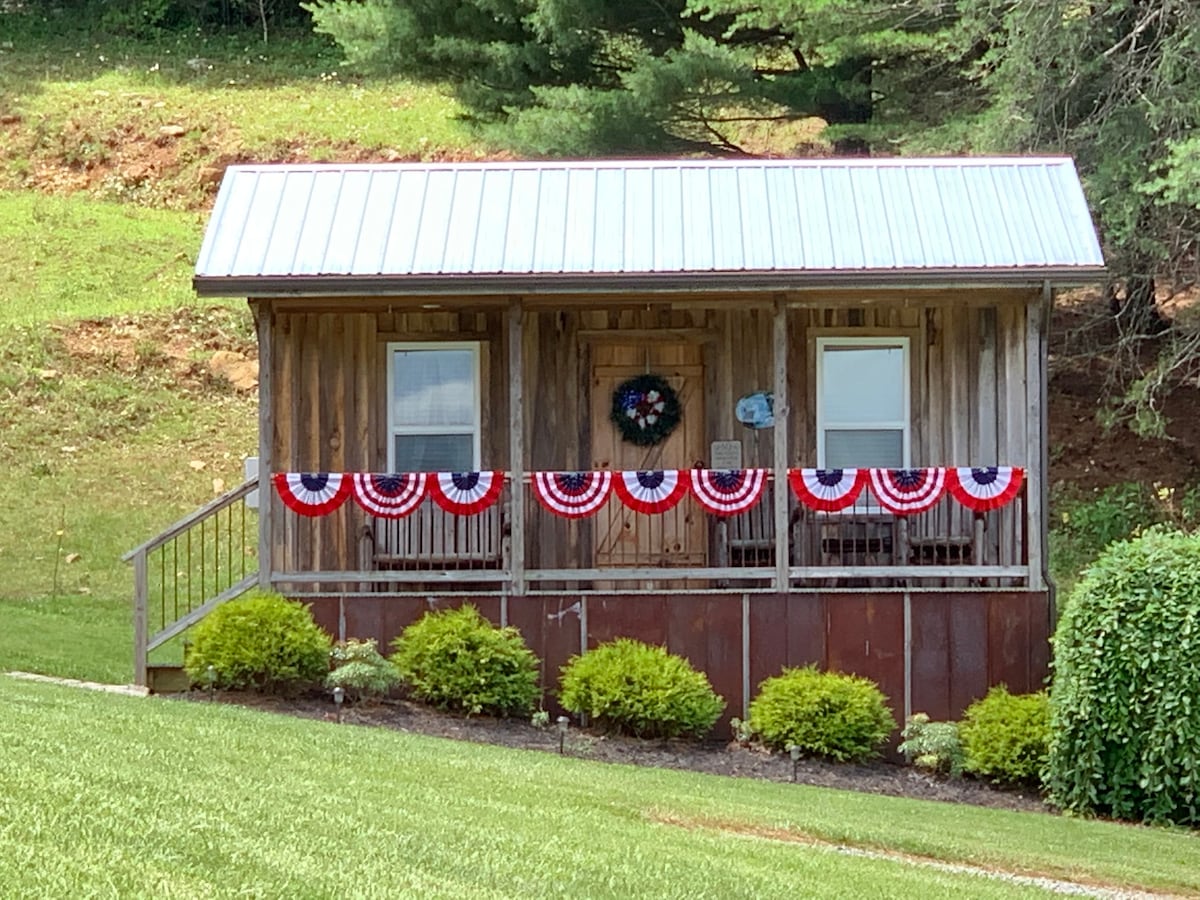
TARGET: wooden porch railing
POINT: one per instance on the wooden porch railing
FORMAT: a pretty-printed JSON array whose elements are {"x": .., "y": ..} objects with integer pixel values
[
  {"x": 948, "y": 545},
  {"x": 191, "y": 568}
]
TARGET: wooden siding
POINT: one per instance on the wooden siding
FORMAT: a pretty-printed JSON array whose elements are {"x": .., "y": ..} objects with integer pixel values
[{"x": 328, "y": 390}]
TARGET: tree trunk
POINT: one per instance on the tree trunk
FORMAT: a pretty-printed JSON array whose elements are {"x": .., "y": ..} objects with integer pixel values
[{"x": 1135, "y": 311}]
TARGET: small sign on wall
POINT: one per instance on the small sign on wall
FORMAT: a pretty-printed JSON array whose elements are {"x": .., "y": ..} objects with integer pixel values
[{"x": 725, "y": 455}]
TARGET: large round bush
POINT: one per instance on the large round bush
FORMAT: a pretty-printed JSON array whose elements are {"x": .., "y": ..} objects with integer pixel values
[
  {"x": 840, "y": 717},
  {"x": 1125, "y": 703},
  {"x": 640, "y": 689},
  {"x": 456, "y": 659},
  {"x": 260, "y": 642}
]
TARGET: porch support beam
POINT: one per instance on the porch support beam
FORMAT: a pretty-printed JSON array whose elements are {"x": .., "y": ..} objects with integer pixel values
[
  {"x": 781, "y": 410},
  {"x": 1036, "y": 318},
  {"x": 516, "y": 442},
  {"x": 264, "y": 316}
]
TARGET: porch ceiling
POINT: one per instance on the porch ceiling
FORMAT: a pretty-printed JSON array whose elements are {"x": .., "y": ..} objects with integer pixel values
[{"x": 655, "y": 226}]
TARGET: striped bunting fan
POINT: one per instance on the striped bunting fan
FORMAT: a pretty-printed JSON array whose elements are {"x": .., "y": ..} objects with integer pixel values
[
  {"x": 908, "y": 491},
  {"x": 985, "y": 489},
  {"x": 312, "y": 493},
  {"x": 727, "y": 492},
  {"x": 390, "y": 496},
  {"x": 650, "y": 492},
  {"x": 465, "y": 493},
  {"x": 572, "y": 495},
  {"x": 827, "y": 490}
]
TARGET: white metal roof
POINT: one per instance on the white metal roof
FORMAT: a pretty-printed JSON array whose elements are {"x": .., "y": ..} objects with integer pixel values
[{"x": 340, "y": 227}]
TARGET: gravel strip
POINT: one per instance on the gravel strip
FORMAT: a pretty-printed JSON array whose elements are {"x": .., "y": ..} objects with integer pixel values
[{"x": 129, "y": 690}]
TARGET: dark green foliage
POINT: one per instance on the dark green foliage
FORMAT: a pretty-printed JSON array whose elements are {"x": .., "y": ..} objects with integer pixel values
[
  {"x": 456, "y": 659},
  {"x": 639, "y": 689},
  {"x": 1125, "y": 719},
  {"x": 360, "y": 670},
  {"x": 826, "y": 714},
  {"x": 933, "y": 745},
  {"x": 1005, "y": 736},
  {"x": 624, "y": 76},
  {"x": 260, "y": 642},
  {"x": 143, "y": 19}
]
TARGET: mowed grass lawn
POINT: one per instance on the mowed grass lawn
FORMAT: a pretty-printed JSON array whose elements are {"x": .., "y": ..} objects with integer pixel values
[{"x": 115, "y": 796}]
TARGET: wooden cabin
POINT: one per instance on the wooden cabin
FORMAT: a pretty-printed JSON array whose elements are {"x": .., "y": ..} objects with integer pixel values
[{"x": 819, "y": 324}]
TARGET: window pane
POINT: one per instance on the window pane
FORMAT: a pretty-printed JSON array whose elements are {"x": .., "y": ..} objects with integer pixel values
[
  {"x": 433, "y": 387},
  {"x": 861, "y": 448},
  {"x": 862, "y": 384},
  {"x": 434, "y": 453}
]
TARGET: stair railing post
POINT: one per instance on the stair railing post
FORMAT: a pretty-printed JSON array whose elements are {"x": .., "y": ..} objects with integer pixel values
[{"x": 141, "y": 627}]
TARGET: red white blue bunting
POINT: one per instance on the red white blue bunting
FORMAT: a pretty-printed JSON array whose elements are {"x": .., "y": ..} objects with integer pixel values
[
  {"x": 907, "y": 491},
  {"x": 651, "y": 492},
  {"x": 572, "y": 495},
  {"x": 312, "y": 493},
  {"x": 465, "y": 493},
  {"x": 576, "y": 495},
  {"x": 984, "y": 489},
  {"x": 391, "y": 496},
  {"x": 827, "y": 490},
  {"x": 727, "y": 492}
]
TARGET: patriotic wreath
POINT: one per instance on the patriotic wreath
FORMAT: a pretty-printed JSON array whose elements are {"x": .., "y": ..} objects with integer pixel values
[{"x": 645, "y": 410}]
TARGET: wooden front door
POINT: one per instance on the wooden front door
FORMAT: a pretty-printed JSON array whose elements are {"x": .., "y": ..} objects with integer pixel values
[{"x": 625, "y": 538}]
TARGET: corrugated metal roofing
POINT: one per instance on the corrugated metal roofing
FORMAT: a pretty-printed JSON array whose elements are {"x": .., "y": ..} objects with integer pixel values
[{"x": 608, "y": 221}]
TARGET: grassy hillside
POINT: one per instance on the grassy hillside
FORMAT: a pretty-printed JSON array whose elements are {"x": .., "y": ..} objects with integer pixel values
[
  {"x": 110, "y": 151},
  {"x": 154, "y": 124},
  {"x": 121, "y": 796}
]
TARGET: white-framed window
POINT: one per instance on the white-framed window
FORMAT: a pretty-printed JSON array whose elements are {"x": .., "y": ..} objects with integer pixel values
[
  {"x": 433, "y": 407},
  {"x": 863, "y": 402}
]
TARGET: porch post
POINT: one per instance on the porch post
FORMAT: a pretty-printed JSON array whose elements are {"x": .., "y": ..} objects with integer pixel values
[
  {"x": 781, "y": 410},
  {"x": 1036, "y": 317},
  {"x": 266, "y": 428},
  {"x": 516, "y": 441}
]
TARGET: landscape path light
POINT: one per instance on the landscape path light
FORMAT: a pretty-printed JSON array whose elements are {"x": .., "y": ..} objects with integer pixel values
[
  {"x": 210, "y": 675},
  {"x": 339, "y": 696},
  {"x": 563, "y": 723},
  {"x": 794, "y": 753}
]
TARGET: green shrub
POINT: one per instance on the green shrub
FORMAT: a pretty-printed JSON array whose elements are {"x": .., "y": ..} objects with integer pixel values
[
  {"x": 456, "y": 659},
  {"x": 827, "y": 714},
  {"x": 360, "y": 671},
  {"x": 260, "y": 642},
  {"x": 1125, "y": 713},
  {"x": 1005, "y": 736},
  {"x": 639, "y": 689},
  {"x": 933, "y": 745}
]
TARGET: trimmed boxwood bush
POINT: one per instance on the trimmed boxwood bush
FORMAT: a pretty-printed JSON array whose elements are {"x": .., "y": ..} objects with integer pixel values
[
  {"x": 635, "y": 688},
  {"x": 1006, "y": 737},
  {"x": 827, "y": 714},
  {"x": 261, "y": 642},
  {"x": 360, "y": 670},
  {"x": 1125, "y": 704},
  {"x": 456, "y": 659}
]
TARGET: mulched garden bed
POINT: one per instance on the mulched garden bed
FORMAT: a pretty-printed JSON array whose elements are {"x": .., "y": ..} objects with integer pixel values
[{"x": 712, "y": 757}]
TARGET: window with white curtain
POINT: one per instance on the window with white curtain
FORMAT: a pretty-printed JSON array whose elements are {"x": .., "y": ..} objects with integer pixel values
[
  {"x": 862, "y": 402},
  {"x": 434, "y": 407}
]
